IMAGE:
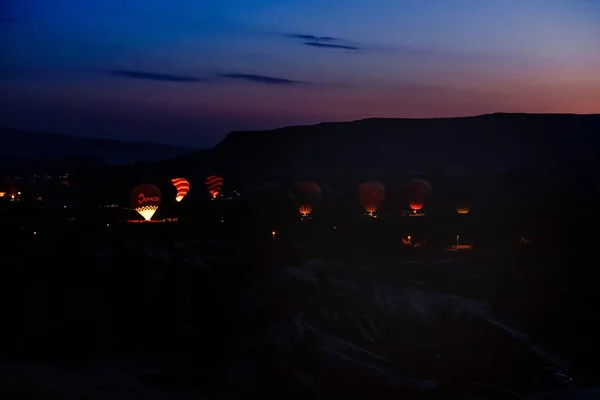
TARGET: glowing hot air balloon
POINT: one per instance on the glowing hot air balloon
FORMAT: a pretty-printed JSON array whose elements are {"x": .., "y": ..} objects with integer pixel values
[
  {"x": 463, "y": 199},
  {"x": 418, "y": 190},
  {"x": 145, "y": 199},
  {"x": 371, "y": 195},
  {"x": 182, "y": 186},
  {"x": 307, "y": 194},
  {"x": 214, "y": 184}
]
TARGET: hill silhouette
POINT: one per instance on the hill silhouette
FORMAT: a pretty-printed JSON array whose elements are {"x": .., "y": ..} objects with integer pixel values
[
  {"x": 20, "y": 149},
  {"x": 381, "y": 146}
]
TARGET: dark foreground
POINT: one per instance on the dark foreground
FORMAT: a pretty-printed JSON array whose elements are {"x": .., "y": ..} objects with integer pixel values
[{"x": 131, "y": 315}]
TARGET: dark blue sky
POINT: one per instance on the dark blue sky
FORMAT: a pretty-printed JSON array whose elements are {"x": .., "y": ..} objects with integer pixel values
[{"x": 188, "y": 71}]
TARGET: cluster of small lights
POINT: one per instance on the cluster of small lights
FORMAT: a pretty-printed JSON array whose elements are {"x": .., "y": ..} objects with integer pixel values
[{"x": 15, "y": 197}]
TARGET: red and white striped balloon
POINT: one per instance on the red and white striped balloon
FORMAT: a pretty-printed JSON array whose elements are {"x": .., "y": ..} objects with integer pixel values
[
  {"x": 214, "y": 184},
  {"x": 182, "y": 186}
]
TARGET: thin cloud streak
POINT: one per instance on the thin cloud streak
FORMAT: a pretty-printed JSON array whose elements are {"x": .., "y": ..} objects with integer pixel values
[
  {"x": 312, "y": 38},
  {"x": 330, "y": 46},
  {"x": 153, "y": 76},
  {"x": 325, "y": 42},
  {"x": 262, "y": 79}
]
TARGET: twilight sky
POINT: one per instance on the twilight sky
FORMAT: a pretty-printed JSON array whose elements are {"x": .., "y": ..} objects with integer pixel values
[{"x": 189, "y": 71}]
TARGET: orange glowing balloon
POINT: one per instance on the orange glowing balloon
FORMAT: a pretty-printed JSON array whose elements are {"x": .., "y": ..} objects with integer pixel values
[
  {"x": 418, "y": 191},
  {"x": 371, "y": 195},
  {"x": 463, "y": 199},
  {"x": 214, "y": 184},
  {"x": 182, "y": 186},
  {"x": 145, "y": 199},
  {"x": 307, "y": 194}
]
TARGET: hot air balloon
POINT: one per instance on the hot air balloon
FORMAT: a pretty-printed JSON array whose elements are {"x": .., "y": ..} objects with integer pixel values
[
  {"x": 418, "y": 190},
  {"x": 307, "y": 194},
  {"x": 214, "y": 184},
  {"x": 182, "y": 186},
  {"x": 371, "y": 195},
  {"x": 145, "y": 199},
  {"x": 463, "y": 199}
]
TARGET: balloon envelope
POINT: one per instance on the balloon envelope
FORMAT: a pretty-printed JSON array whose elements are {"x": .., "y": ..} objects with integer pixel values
[
  {"x": 182, "y": 186},
  {"x": 214, "y": 184},
  {"x": 145, "y": 199},
  {"x": 418, "y": 190},
  {"x": 463, "y": 198},
  {"x": 307, "y": 194},
  {"x": 371, "y": 195}
]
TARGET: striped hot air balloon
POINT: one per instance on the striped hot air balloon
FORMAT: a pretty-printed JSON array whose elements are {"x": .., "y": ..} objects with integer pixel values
[
  {"x": 214, "y": 184},
  {"x": 182, "y": 186}
]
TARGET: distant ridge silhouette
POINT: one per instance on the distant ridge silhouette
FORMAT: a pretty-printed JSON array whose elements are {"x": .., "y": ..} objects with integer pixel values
[
  {"x": 380, "y": 146},
  {"x": 19, "y": 147}
]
